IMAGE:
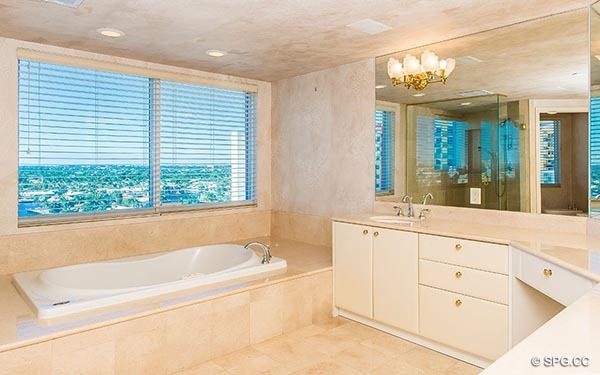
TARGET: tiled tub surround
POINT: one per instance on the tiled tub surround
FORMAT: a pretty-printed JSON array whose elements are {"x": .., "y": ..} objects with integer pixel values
[{"x": 174, "y": 332}]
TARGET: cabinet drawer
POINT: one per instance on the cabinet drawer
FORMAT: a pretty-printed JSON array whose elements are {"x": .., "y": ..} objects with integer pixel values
[
  {"x": 474, "y": 283},
  {"x": 481, "y": 255},
  {"x": 466, "y": 323},
  {"x": 556, "y": 282}
]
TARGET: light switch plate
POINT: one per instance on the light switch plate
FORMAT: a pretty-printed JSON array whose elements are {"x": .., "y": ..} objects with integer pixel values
[{"x": 475, "y": 195}]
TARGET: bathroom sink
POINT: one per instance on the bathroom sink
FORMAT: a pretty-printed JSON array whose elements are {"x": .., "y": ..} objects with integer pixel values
[{"x": 392, "y": 219}]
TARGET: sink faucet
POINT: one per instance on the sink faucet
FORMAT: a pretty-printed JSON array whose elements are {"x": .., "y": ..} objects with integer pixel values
[
  {"x": 424, "y": 211},
  {"x": 410, "y": 212},
  {"x": 427, "y": 196},
  {"x": 265, "y": 248}
]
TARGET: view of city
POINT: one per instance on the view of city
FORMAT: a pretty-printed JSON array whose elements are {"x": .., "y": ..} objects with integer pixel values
[{"x": 70, "y": 189}]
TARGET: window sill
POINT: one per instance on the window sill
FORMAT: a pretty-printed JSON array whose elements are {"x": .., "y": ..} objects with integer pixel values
[{"x": 135, "y": 215}]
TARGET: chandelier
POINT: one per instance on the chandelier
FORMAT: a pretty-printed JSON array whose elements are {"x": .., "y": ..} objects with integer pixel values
[{"x": 418, "y": 74}]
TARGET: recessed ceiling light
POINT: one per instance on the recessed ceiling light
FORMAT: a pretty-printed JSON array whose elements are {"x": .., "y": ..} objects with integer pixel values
[
  {"x": 465, "y": 103},
  {"x": 551, "y": 112},
  {"x": 216, "y": 53},
  {"x": 597, "y": 57},
  {"x": 369, "y": 26},
  {"x": 111, "y": 33},
  {"x": 419, "y": 94},
  {"x": 380, "y": 86}
]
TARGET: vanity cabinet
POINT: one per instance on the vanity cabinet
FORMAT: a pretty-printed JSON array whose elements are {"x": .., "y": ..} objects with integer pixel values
[
  {"x": 376, "y": 274},
  {"x": 463, "y": 294},
  {"x": 353, "y": 268}
]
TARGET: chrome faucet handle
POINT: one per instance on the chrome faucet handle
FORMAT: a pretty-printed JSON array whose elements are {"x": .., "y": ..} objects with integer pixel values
[
  {"x": 398, "y": 211},
  {"x": 424, "y": 211},
  {"x": 427, "y": 196}
]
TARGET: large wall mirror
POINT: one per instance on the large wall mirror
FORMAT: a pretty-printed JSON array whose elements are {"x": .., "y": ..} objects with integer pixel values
[{"x": 508, "y": 129}]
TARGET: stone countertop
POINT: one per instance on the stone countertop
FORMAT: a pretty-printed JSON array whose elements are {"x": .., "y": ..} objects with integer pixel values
[
  {"x": 575, "y": 252},
  {"x": 19, "y": 325},
  {"x": 572, "y": 333}
]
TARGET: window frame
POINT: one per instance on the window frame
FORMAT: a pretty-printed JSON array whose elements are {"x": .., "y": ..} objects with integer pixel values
[{"x": 156, "y": 208}]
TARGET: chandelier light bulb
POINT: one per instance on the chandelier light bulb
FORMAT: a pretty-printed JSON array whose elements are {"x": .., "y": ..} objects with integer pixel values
[{"x": 429, "y": 61}]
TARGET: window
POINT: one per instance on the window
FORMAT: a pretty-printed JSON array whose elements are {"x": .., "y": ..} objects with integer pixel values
[
  {"x": 96, "y": 142},
  {"x": 550, "y": 152},
  {"x": 384, "y": 151},
  {"x": 446, "y": 155},
  {"x": 595, "y": 146}
]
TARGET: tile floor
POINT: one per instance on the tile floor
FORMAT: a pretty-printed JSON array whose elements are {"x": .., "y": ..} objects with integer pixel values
[{"x": 337, "y": 347}]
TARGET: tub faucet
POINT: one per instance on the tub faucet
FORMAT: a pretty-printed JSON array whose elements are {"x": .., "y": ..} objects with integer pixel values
[
  {"x": 265, "y": 248},
  {"x": 410, "y": 212}
]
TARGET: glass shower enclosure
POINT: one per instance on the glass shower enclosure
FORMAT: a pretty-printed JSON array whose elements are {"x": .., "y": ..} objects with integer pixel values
[{"x": 467, "y": 152}]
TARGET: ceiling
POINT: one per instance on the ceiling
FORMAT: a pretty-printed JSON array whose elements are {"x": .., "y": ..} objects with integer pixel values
[
  {"x": 266, "y": 39},
  {"x": 541, "y": 59}
]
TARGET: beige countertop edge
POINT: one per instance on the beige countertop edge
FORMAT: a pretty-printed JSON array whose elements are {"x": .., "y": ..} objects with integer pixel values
[
  {"x": 520, "y": 245},
  {"x": 141, "y": 314}
]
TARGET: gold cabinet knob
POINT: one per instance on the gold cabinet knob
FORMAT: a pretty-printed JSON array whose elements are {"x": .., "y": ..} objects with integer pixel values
[
  {"x": 458, "y": 303},
  {"x": 365, "y": 232},
  {"x": 458, "y": 274},
  {"x": 376, "y": 234},
  {"x": 547, "y": 272},
  {"x": 458, "y": 246}
]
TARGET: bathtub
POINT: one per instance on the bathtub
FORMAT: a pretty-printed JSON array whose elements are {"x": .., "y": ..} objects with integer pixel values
[{"x": 66, "y": 290}]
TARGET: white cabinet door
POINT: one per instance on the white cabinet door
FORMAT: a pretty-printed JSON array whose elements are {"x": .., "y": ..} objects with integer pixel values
[
  {"x": 395, "y": 279},
  {"x": 353, "y": 268}
]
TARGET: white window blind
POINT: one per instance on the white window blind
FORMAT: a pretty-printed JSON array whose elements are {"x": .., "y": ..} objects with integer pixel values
[
  {"x": 83, "y": 140},
  {"x": 206, "y": 144},
  {"x": 595, "y": 146},
  {"x": 550, "y": 152},
  {"x": 384, "y": 151},
  {"x": 95, "y": 142}
]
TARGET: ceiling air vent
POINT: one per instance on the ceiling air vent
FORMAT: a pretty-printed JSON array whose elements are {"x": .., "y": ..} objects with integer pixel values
[
  {"x": 66, "y": 3},
  {"x": 470, "y": 93}
]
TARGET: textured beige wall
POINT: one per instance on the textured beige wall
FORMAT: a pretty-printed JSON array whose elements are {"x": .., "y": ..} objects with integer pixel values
[
  {"x": 323, "y": 147},
  {"x": 39, "y": 247}
]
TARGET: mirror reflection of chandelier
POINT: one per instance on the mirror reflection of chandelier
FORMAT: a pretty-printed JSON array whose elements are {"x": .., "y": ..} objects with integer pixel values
[{"x": 418, "y": 74}]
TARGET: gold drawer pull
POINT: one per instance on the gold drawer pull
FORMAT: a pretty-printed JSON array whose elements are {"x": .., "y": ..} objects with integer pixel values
[
  {"x": 458, "y": 274},
  {"x": 365, "y": 232},
  {"x": 458, "y": 303},
  {"x": 547, "y": 272},
  {"x": 376, "y": 234},
  {"x": 458, "y": 246}
]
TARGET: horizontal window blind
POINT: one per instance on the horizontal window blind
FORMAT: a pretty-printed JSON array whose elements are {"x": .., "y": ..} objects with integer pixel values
[
  {"x": 595, "y": 147},
  {"x": 384, "y": 151},
  {"x": 98, "y": 142},
  {"x": 206, "y": 144},
  {"x": 83, "y": 140},
  {"x": 550, "y": 152}
]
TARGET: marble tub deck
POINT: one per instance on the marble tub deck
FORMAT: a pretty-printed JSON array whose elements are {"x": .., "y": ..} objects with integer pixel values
[{"x": 20, "y": 327}]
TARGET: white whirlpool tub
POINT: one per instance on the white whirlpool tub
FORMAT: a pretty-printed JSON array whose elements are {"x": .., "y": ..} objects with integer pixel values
[{"x": 72, "y": 289}]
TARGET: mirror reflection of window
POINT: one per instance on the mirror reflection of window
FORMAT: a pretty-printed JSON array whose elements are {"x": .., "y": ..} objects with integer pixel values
[
  {"x": 384, "y": 151},
  {"x": 550, "y": 152}
]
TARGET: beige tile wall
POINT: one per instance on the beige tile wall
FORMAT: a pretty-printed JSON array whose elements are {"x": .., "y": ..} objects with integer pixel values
[
  {"x": 174, "y": 340},
  {"x": 41, "y": 247},
  {"x": 322, "y": 161}
]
